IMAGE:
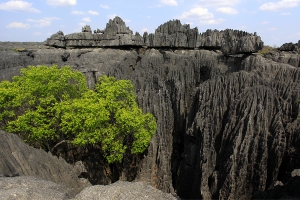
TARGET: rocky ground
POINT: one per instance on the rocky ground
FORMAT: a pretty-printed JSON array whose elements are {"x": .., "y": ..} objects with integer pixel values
[
  {"x": 21, "y": 46},
  {"x": 228, "y": 125}
]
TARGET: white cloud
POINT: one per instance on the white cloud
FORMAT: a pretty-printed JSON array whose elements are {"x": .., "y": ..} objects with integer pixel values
[
  {"x": 264, "y": 22},
  {"x": 17, "y": 25},
  {"x": 298, "y": 33},
  {"x": 286, "y": 13},
  {"x": 76, "y": 12},
  {"x": 111, "y": 16},
  {"x": 144, "y": 30},
  {"x": 271, "y": 6},
  {"x": 86, "y": 19},
  {"x": 93, "y": 12},
  {"x": 218, "y": 3},
  {"x": 169, "y": 2},
  {"x": 148, "y": 17},
  {"x": 104, "y": 6},
  {"x": 126, "y": 20},
  {"x": 201, "y": 15},
  {"x": 43, "y": 22},
  {"x": 227, "y": 10},
  {"x": 62, "y": 2},
  {"x": 18, "y": 5},
  {"x": 197, "y": 13}
]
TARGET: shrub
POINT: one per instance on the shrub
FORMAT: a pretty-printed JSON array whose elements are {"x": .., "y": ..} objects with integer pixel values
[{"x": 50, "y": 104}]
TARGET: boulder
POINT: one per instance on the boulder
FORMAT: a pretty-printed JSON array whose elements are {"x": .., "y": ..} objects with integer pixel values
[
  {"x": 19, "y": 159},
  {"x": 34, "y": 188},
  {"x": 124, "y": 190}
]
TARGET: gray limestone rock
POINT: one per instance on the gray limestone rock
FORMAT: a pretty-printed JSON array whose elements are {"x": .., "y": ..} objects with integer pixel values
[
  {"x": 230, "y": 41},
  {"x": 123, "y": 190},
  {"x": 29, "y": 187},
  {"x": 289, "y": 47},
  {"x": 296, "y": 172},
  {"x": 286, "y": 57},
  {"x": 56, "y": 40},
  {"x": 171, "y": 34},
  {"x": 227, "y": 125},
  {"x": 19, "y": 159},
  {"x": 65, "y": 56},
  {"x": 87, "y": 29}
]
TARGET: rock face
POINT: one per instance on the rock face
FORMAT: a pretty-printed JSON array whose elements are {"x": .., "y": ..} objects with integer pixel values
[
  {"x": 228, "y": 124},
  {"x": 230, "y": 41},
  {"x": 168, "y": 35},
  {"x": 57, "y": 40},
  {"x": 289, "y": 47},
  {"x": 291, "y": 58},
  {"x": 28, "y": 173},
  {"x": 19, "y": 159}
]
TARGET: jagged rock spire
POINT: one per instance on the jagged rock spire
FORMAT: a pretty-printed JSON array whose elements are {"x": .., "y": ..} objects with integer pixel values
[{"x": 171, "y": 34}]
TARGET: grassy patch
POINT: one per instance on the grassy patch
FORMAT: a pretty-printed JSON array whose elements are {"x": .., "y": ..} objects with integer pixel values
[{"x": 267, "y": 49}]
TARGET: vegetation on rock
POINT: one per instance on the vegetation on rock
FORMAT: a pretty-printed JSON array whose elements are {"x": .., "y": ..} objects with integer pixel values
[
  {"x": 47, "y": 105},
  {"x": 267, "y": 49}
]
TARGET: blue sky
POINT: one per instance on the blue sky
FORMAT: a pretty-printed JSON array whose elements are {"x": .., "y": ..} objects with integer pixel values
[{"x": 276, "y": 21}]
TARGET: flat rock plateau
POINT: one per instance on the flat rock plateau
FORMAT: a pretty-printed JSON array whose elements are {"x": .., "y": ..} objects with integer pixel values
[{"x": 227, "y": 116}]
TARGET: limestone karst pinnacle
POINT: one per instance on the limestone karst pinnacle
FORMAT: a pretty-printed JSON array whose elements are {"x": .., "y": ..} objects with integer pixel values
[{"x": 171, "y": 34}]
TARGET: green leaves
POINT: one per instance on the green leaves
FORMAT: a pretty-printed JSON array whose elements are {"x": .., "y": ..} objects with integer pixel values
[{"x": 53, "y": 104}]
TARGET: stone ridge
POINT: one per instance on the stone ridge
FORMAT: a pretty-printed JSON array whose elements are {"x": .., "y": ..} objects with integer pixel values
[{"x": 171, "y": 34}]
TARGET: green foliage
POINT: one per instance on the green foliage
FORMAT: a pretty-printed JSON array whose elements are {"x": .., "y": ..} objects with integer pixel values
[{"x": 53, "y": 104}]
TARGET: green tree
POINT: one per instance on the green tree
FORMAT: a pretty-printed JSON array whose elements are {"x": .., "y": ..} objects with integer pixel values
[
  {"x": 27, "y": 104},
  {"x": 53, "y": 104}
]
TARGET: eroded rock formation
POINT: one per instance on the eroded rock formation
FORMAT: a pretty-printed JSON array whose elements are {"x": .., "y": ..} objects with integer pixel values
[
  {"x": 227, "y": 120},
  {"x": 19, "y": 159},
  {"x": 171, "y": 34}
]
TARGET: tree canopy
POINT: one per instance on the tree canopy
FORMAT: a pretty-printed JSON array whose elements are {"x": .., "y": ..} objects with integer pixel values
[{"x": 54, "y": 104}]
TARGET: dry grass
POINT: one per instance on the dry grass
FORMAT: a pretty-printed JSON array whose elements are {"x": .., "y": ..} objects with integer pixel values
[{"x": 267, "y": 49}]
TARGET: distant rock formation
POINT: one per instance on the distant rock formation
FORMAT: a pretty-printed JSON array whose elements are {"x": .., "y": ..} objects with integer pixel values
[
  {"x": 171, "y": 34},
  {"x": 289, "y": 47},
  {"x": 57, "y": 40},
  {"x": 87, "y": 29}
]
